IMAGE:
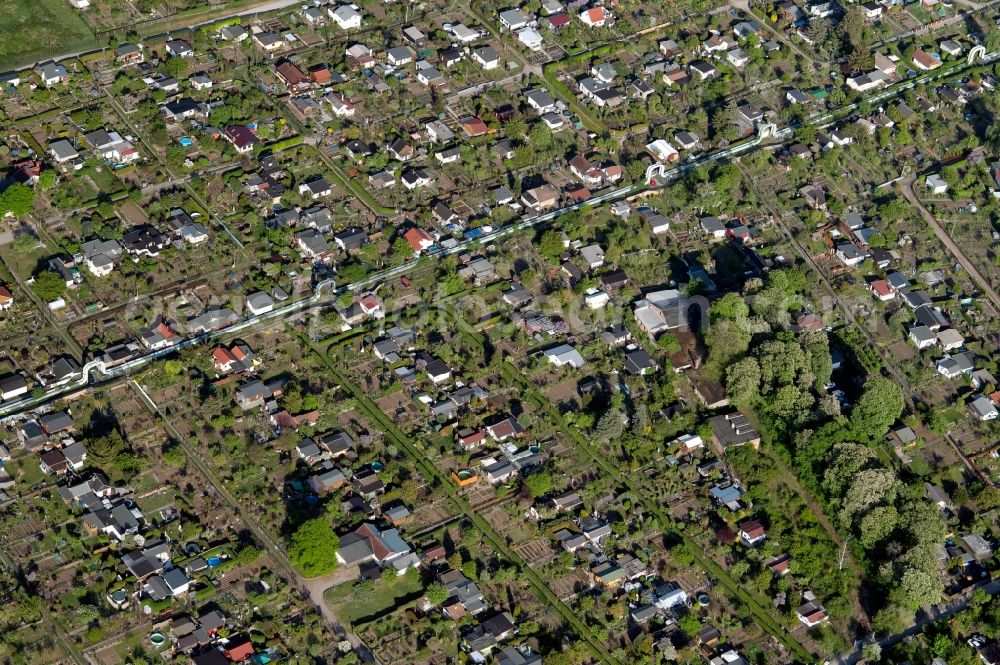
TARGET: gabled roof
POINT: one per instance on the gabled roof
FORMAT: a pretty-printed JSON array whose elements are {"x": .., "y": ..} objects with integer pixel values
[
  {"x": 241, "y": 136},
  {"x": 56, "y": 422},
  {"x": 753, "y": 528},
  {"x": 291, "y": 74},
  {"x": 638, "y": 360},
  {"x": 418, "y": 238},
  {"x": 594, "y": 15},
  {"x": 507, "y": 426}
]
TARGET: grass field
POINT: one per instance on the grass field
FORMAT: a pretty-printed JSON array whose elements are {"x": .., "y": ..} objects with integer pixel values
[
  {"x": 32, "y": 30},
  {"x": 358, "y": 611}
]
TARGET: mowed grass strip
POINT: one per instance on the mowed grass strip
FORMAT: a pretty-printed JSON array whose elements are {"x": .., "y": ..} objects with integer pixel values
[{"x": 33, "y": 30}]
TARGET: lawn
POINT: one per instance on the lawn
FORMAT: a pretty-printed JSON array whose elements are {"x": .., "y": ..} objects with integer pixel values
[
  {"x": 156, "y": 502},
  {"x": 24, "y": 264},
  {"x": 32, "y": 30},
  {"x": 26, "y": 471},
  {"x": 356, "y": 611},
  {"x": 104, "y": 179}
]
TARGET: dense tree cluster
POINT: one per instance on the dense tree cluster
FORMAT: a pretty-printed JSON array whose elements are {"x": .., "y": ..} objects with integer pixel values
[
  {"x": 896, "y": 529},
  {"x": 780, "y": 377},
  {"x": 793, "y": 528},
  {"x": 111, "y": 453}
]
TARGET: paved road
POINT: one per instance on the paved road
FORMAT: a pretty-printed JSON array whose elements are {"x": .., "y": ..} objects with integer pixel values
[
  {"x": 934, "y": 613},
  {"x": 970, "y": 266},
  {"x": 11, "y": 409}
]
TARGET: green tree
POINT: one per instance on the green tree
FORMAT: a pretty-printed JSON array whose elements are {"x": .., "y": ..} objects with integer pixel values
[
  {"x": 451, "y": 283},
  {"x": 17, "y": 200},
  {"x": 819, "y": 30},
  {"x": 817, "y": 345},
  {"x": 725, "y": 175},
  {"x": 346, "y": 299},
  {"x": 551, "y": 244},
  {"x": 730, "y": 306},
  {"x": 515, "y": 128},
  {"x": 880, "y": 405},
  {"x": 49, "y": 285},
  {"x": 104, "y": 451},
  {"x": 176, "y": 67},
  {"x": 845, "y": 460},
  {"x": 992, "y": 40},
  {"x": 667, "y": 342},
  {"x": 868, "y": 488},
  {"x": 436, "y": 593},
  {"x": 892, "y": 209},
  {"x": 852, "y": 28},
  {"x": 313, "y": 547},
  {"x": 612, "y": 425},
  {"x": 47, "y": 179},
  {"x": 743, "y": 381},
  {"x": 877, "y": 525},
  {"x": 539, "y": 136},
  {"x": 173, "y": 455},
  {"x": 872, "y": 652},
  {"x": 539, "y": 484},
  {"x": 455, "y": 560},
  {"x": 292, "y": 398},
  {"x": 891, "y": 619},
  {"x": 805, "y": 134},
  {"x": 129, "y": 463},
  {"x": 727, "y": 340},
  {"x": 919, "y": 588},
  {"x": 689, "y": 624},
  {"x": 247, "y": 555},
  {"x": 401, "y": 249}
]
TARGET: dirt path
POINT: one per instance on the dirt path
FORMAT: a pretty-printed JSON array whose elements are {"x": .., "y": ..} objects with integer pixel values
[
  {"x": 789, "y": 478},
  {"x": 58, "y": 632},
  {"x": 744, "y": 6},
  {"x": 316, "y": 587},
  {"x": 43, "y": 308},
  {"x": 782, "y": 218},
  {"x": 956, "y": 251}
]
